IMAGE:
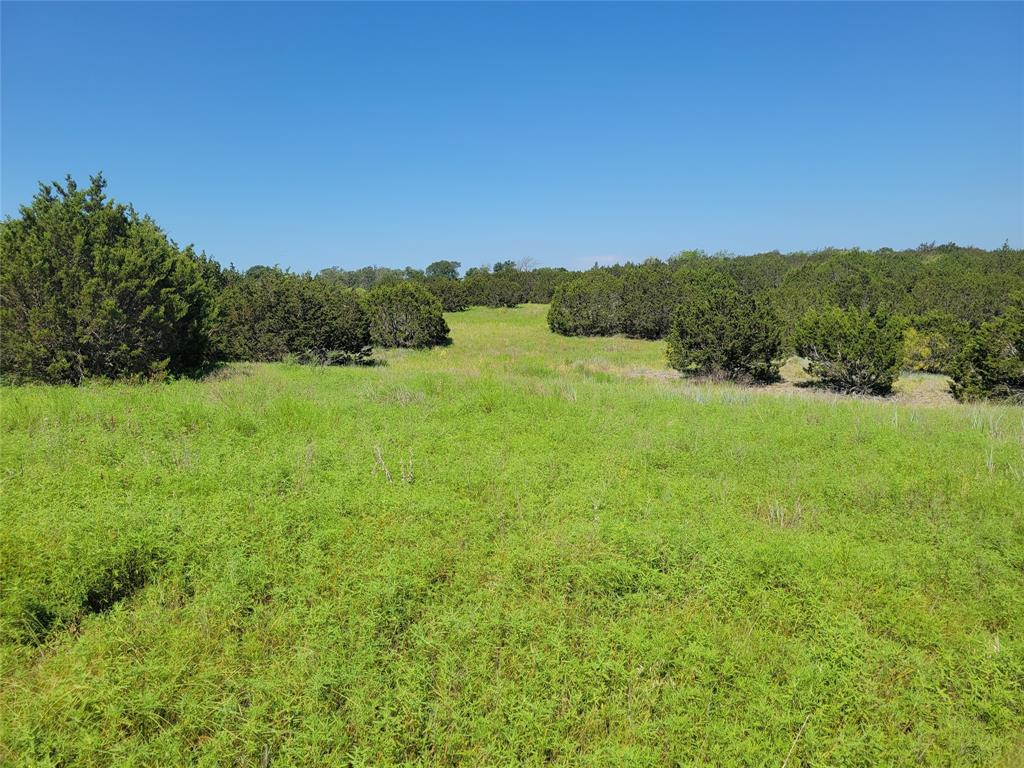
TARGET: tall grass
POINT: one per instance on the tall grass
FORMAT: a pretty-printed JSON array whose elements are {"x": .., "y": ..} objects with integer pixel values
[{"x": 513, "y": 550}]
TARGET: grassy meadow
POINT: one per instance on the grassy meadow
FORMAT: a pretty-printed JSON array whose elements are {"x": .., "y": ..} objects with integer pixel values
[{"x": 520, "y": 549}]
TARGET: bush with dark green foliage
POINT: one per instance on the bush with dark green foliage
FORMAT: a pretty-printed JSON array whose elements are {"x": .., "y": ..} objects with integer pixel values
[
  {"x": 90, "y": 288},
  {"x": 648, "y": 300},
  {"x": 992, "y": 362},
  {"x": 506, "y": 287},
  {"x": 269, "y": 314},
  {"x": 450, "y": 292},
  {"x": 588, "y": 305},
  {"x": 406, "y": 315},
  {"x": 852, "y": 350},
  {"x": 719, "y": 331},
  {"x": 542, "y": 283}
]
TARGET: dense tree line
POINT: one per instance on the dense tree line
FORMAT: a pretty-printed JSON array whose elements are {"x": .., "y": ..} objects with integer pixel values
[
  {"x": 505, "y": 284},
  {"x": 858, "y": 317},
  {"x": 88, "y": 287}
]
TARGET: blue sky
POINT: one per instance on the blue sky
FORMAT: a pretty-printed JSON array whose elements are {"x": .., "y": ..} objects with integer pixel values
[{"x": 312, "y": 135}]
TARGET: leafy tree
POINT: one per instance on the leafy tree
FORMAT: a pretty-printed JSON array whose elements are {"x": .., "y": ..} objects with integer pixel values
[
  {"x": 588, "y": 305},
  {"x": 717, "y": 330},
  {"x": 405, "y": 315},
  {"x": 853, "y": 350},
  {"x": 992, "y": 362},
  {"x": 443, "y": 269},
  {"x": 90, "y": 288}
]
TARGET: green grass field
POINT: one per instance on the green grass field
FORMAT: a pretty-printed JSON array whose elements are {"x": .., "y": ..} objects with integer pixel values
[{"x": 518, "y": 549}]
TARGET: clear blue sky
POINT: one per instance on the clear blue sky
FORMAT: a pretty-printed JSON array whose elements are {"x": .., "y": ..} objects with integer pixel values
[{"x": 312, "y": 135}]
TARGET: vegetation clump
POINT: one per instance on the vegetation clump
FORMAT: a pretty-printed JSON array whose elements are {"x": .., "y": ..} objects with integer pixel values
[
  {"x": 268, "y": 314},
  {"x": 589, "y": 305},
  {"x": 405, "y": 315},
  {"x": 450, "y": 291},
  {"x": 992, "y": 362},
  {"x": 648, "y": 300},
  {"x": 719, "y": 331},
  {"x": 90, "y": 288},
  {"x": 933, "y": 342},
  {"x": 852, "y": 350}
]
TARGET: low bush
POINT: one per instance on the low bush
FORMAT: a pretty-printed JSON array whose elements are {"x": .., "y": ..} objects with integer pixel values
[
  {"x": 588, "y": 305},
  {"x": 268, "y": 314},
  {"x": 851, "y": 350},
  {"x": 719, "y": 331},
  {"x": 992, "y": 362},
  {"x": 648, "y": 300},
  {"x": 405, "y": 315},
  {"x": 450, "y": 292}
]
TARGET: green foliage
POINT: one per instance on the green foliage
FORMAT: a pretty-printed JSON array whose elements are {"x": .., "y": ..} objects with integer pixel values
[
  {"x": 443, "y": 269},
  {"x": 543, "y": 282},
  {"x": 648, "y": 300},
  {"x": 503, "y": 288},
  {"x": 719, "y": 331},
  {"x": 405, "y": 315},
  {"x": 451, "y": 293},
  {"x": 588, "y": 305},
  {"x": 268, "y": 314},
  {"x": 992, "y": 362},
  {"x": 90, "y": 288},
  {"x": 587, "y": 568},
  {"x": 933, "y": 342},
  {"x": 853, "y": 350}
]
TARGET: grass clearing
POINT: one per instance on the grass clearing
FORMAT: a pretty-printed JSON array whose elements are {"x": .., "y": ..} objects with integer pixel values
[{"x": 518, "y": 549}]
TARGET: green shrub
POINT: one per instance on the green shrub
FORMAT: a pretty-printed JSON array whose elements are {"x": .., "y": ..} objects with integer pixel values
[
  {"x": 588, "y": 305},
  {"x": 333, "y": 326},
  {"x": 933, "y": 342},
  {"x": 90, "y": 288},
  {"x": 648, "y": 300},
  {"x": 719, "y": 331},
  {"x": 450, "y": 292},
  {"x": 268, "y": 314},
  {"x": 852, "y": 350},
  {"x": 992, "y": 362},
  {"x": 405, "y": 315},
  {"x": 543, "y": 282},
  {"x": 506, "y": 288}
]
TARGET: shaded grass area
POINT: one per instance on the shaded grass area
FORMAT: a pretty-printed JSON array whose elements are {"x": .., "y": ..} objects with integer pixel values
[{"x": 569, "y": 565}]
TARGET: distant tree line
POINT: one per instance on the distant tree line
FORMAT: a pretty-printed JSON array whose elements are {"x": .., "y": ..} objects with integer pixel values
[
  {"x": 505, "y": 284},
  {"x": 858, "y": 317},
  {"x": 90, "y": 288}
]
